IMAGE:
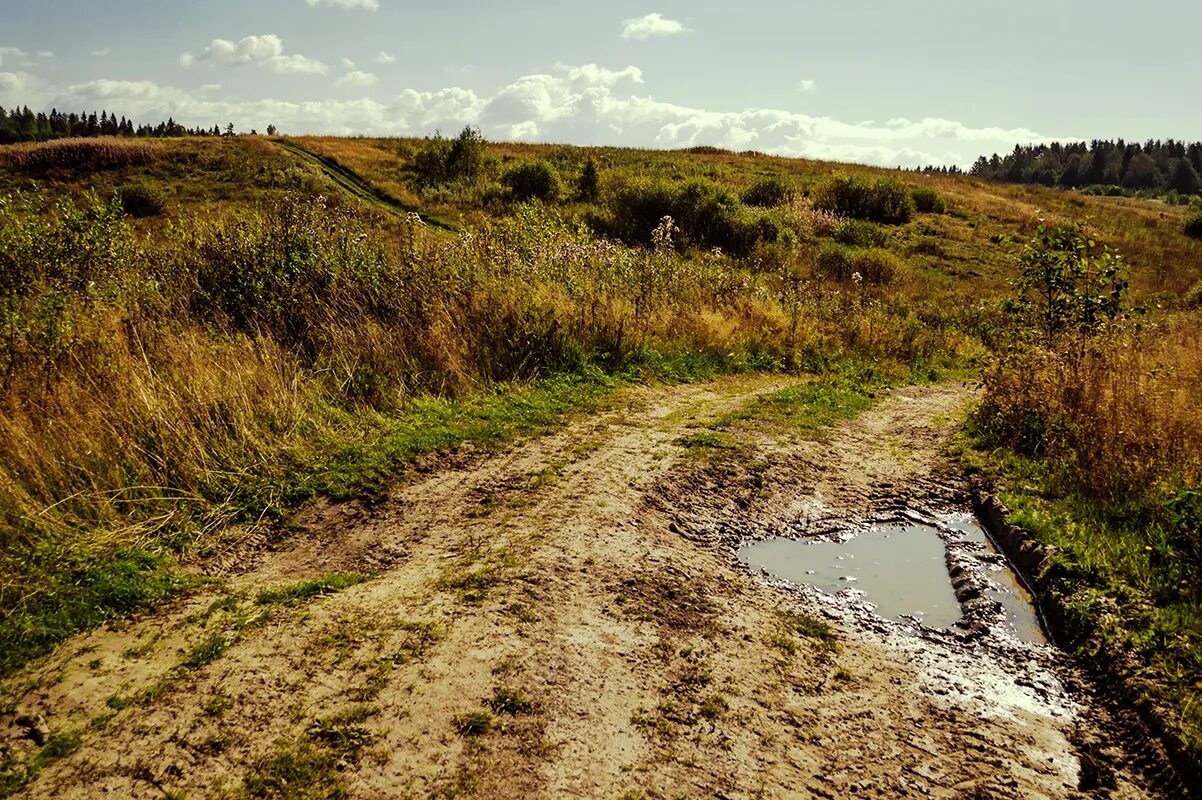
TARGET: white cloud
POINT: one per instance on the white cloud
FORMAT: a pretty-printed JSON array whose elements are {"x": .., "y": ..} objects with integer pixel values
[
  {"x": 651, "y": 25},
  {"x": 385, "y": 58},
  {"x": 348, "y": 64},
  {"x": 586, "y": 104},
  {"x": 356, "y": 78},
  {"x": 807, "y": 87},
  {"x": 15, "y": 83},
  {"x": 261, "y": 51},
  {"x": 369, "y": 5},
  {"x": 16, "y": 55},
  {"x": 45, "y": 54},
  {"x": 102, "y": 52}
]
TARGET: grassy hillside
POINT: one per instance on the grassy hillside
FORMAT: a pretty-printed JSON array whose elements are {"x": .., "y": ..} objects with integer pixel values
[{"x": 201, "y": 334}]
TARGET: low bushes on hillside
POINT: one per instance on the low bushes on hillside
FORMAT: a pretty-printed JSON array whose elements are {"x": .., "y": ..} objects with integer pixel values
[
  {"x": 441, "y": 160},
  {"x": 881, "y": 200},
  {"x": 928, "y": 201},
  {"x": 705, "y": 214},
  {"x": 860, "y": 233},
  {"x": 1193, "y": 226},
  {"x": 532, "y": 180},
  {"x": 769, "y": 191},
  {"x": 140, "y": 200},
  {"x": 843, "y": 263}
]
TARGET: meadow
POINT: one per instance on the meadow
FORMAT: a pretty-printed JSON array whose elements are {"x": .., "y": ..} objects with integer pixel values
[{"x": 200, "y": 335}]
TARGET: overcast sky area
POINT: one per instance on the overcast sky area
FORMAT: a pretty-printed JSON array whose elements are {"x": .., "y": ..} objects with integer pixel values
[{"x": 890, "y": 82}]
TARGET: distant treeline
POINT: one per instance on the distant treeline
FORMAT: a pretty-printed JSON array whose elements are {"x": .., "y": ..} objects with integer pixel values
[
  {"x": 1102, "y": 167},
  {"x": 23, "y": 125}
]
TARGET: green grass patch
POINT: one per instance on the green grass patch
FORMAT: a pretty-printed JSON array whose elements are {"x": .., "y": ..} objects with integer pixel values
[
  {"x": 208, "y": 650},
  {"x": 303, "y": 591},
  {"x": 806, "y": 408},
  {"x": 473, "y": 724},
  {"x": 1118, "y": 581}
]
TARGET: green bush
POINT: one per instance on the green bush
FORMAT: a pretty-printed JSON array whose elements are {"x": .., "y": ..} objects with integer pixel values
[
  {"x": 928, "y": 201},
  {"x": 882, "y": 200},
  {"x": 442, "y": 160},
  {"x": 1193, "y": 226},
  {"x": 139, "y": 200},
  {"x": 532, "y": 180},
  {"x": 861, "y": 233},
  {"x": 843, "y": 263},
  {"x": 705, "y": 215},
  {"x": 769, "y": 191}
]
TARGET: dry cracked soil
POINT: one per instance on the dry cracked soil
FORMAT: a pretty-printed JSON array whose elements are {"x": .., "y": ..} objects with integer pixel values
[{"x": 567, "y": 618}]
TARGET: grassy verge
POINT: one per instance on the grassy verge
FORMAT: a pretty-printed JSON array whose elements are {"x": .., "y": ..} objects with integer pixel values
[
  {"x": 82, "y": 587},
  {"x": 1116, "y": 581}
]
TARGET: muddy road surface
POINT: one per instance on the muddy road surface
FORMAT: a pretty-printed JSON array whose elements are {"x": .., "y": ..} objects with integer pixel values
[{"x": 571, "y": 618}]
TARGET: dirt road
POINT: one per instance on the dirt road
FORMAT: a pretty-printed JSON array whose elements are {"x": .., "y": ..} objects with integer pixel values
[{"x": 565, "y": 619}]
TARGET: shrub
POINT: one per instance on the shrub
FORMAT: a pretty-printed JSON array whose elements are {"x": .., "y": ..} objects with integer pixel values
[
  {"x": 588, "y": 185},
  {"x": 466, "y": 156},
  {"x": 842, "y": 263},
  {"x": 1193, "y": 226},
  {"x": 928, "y": 201},
  {"x": 881, "y": 200},
  {"x": 860, "y": 233},
  {"x": 140, "y": 200},
  {"x": 705, "y": 215},
  {"x": 441, "y": 160},
  {"x": 532, "y": 180},
  {"x": 1193, "y": 297},
  {"x": 769, "y": 191}
]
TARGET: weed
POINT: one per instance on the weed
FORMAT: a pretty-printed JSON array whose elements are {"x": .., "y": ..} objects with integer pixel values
[
  {"x": 303, "y": 591},
  {"x": 509, "y": 701},
  {"x": 206, "y": 651},
  {"x": 296, "y": 772},
  {"x": 473, "y": 723}
]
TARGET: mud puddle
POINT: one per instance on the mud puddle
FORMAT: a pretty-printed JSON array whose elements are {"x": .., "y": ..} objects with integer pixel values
[
  {"x": 943, "y": 573},
  {"x": 901, "y": 569}
]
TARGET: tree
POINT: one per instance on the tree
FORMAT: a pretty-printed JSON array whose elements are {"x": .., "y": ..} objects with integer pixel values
[
  {"x": 1185, "y": 178},
  {"x": 1142, "y": 173},
  {"x": 588, "y": 185},
  {"x": 466, "y": 157},
  {"x": 271, "y": 130},
  {"x": 1066, "y": 284},
  {"x": 229, "y": 129}
]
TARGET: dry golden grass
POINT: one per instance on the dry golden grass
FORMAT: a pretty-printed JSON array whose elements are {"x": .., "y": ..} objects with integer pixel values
[{"x": 82, "y": 154}]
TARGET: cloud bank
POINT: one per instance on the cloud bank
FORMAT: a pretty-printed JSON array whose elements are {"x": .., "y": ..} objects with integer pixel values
[{"x": 585, "y": 104}]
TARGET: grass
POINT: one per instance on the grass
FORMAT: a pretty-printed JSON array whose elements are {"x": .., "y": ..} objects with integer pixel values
[
  {"x": 1113, "y": 583},
  {"x": 14, "y": 777},
  {"x": 205, "y": 652},
  {"x": 473, "y": 724},
  {"x": 303, "y": 591}
]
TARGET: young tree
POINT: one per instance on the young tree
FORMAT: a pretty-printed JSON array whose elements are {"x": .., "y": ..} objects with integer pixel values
[{"x": 588, "y": 186}]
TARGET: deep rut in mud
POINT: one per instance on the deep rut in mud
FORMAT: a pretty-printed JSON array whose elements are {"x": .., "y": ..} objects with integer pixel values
[{"x": 569, "y": 619}]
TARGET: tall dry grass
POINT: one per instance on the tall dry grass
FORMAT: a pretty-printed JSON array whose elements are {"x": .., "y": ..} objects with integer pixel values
[
  {"x": 156, "y": 390},
  {"x": 83, "y": 154}
]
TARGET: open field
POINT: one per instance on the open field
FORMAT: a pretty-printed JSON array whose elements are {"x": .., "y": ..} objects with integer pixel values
[{"x": 422, "y": 376}]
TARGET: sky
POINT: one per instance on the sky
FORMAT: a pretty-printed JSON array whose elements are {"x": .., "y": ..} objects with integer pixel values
[{"x": 888, "y": 82}]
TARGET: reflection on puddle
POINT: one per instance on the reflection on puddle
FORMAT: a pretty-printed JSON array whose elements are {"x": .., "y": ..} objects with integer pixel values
[{"x": 901, "y": 569}]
